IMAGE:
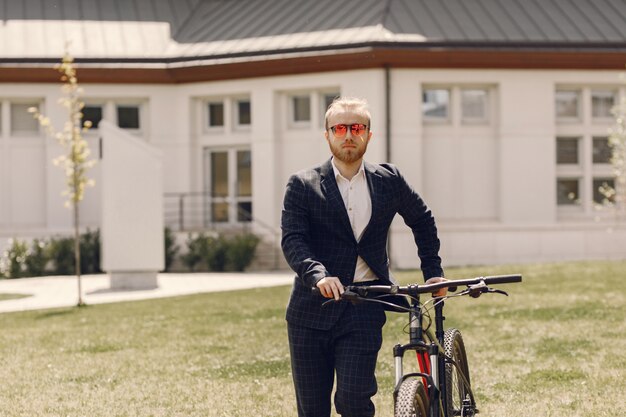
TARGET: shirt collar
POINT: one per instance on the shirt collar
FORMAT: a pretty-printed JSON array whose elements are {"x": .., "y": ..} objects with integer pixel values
[{"x": 337, "y": 173}]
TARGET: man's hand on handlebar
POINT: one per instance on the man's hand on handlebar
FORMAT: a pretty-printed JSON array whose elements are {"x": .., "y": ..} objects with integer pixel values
[
  {"x": 330, "y": 287},
  {"x": 442, "y": 292}
]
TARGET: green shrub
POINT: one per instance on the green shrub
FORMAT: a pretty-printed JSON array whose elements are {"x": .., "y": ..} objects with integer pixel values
[
  {"x": 195, "y": 247},
  {"x": 60, "y": 251},
  {"x": 240, "y": 251},
  {"x": 89, "y": 252},
  {"x": 37, "y": 259},
  {"x": 171, "y": 248},
  {"x": 13, "y": 263},
  {"x": 215, "y": 253}
]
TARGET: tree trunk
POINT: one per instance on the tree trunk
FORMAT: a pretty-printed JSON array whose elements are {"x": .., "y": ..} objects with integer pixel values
[{"x": 77, "y": 253}]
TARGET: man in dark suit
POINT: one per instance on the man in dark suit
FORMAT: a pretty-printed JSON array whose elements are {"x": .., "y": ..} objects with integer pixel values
[{"x": 335, "y": 222}]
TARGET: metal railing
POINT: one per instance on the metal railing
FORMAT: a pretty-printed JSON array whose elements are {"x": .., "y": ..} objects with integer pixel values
[{"x": 193, "y": 212}]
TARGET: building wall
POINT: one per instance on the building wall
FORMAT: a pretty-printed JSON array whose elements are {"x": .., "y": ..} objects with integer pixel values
[{"x": 491, "y": 185}]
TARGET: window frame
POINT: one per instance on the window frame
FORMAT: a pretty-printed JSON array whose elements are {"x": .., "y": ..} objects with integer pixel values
[
  {"x": 237, "y": 116},
  {"x": 293, "y": 123},
  {"x": 28, "y": 103},
  {"x": 449, "y": 112}
]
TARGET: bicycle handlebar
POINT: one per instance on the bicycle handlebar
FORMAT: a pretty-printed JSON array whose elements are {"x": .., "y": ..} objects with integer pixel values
[{"x": 415, "y": 289}]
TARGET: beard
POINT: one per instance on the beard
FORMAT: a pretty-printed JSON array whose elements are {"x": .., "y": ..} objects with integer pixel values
[{"x": 348, "y": 155}]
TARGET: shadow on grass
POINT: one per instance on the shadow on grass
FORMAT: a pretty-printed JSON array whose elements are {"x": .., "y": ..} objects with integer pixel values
[
  {"x": 57, "y": 313},
  {"x": 6, "y": 297}
]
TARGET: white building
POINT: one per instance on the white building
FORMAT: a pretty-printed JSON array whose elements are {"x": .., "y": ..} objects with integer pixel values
[{"x": 496, "y": 111}]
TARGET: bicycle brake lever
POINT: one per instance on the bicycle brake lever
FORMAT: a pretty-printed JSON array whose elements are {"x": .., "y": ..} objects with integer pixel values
[{"x": 496, "y": 291}]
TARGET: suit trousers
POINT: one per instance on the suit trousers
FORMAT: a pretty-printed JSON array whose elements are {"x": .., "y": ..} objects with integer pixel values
[{"x": 349, "y": 350}]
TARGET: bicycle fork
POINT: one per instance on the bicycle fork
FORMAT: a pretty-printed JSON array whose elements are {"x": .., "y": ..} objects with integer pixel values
[{"x": 428, "y": 358}]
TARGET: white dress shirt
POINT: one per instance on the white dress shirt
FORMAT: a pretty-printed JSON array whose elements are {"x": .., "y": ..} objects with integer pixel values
[{"x": 358, "y": 203}]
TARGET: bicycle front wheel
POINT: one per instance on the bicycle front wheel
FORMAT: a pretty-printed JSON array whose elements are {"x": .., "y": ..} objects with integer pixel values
[
  {"x": 459, "y": 398},
  {"x": 411, "y": 400}
]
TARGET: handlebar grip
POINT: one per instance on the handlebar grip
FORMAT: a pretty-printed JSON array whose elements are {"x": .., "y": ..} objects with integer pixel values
[
  {"x": 316, "y": 291},
  {"x": 503, "y": 279}
]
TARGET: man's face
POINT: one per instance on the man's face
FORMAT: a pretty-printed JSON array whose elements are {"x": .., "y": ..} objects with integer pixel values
[{"x": 350, "y": 147}]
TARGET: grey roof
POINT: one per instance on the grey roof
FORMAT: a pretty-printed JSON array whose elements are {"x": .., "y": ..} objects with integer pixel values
[{"x": 209, "y": 29}]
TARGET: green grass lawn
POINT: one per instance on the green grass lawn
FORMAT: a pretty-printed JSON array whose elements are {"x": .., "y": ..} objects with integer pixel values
[{"x": 555, "y": 347}]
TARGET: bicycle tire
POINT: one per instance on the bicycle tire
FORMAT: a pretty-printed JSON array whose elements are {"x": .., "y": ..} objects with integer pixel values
[
  {"x": 411, "y": 400},
  {"x": 458, "y": 387}
]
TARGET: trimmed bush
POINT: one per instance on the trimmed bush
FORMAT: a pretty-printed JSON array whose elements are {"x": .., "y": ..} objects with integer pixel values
[
  {"x": 195, "y": 247},
  {"x": 215, "y": 253},
  {"x": 60, "y": 251},
  {"x": 240, "y": 251},
  {"x": 89, "y": 252},
  {"x": 36, "y": 259},
  {"x": 171, "y": 248}
]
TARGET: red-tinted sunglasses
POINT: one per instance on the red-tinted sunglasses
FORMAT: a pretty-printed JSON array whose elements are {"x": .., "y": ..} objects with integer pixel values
[{"x": 356, "y": 129}]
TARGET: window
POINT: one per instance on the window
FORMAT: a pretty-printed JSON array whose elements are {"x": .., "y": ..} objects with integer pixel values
[
  {"x": 567, "y": 151},
  {"x": 474, "y": 105},
  {"x": 92, "y": 114},
  {"x": 584, "y": 175},
  {"x": 243, "y": 113},
  {"x": 601, "y": 104},
  {"x": 568, "y": 191},
  {"x": 244, "y": 186},
  {"x": 23, "y": 122},
  {"x": 128, "y": 117},
  {"x": 602, "y": 150},
  {"x": 301, "y": 109},
  {"x": 567, "y": 104},
  {"x": 219, "y": 186},
  {"x": 327, "y": 100},
  {"x": 436, "y": 104},
  {"x": 603, "y": 190},
  {"x": 216, "y": 114},
  {"x": 228, "y": 201}
]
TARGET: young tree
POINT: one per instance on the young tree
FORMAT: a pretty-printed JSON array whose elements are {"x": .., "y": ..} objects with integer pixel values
[{"x": 75, "y": 161}]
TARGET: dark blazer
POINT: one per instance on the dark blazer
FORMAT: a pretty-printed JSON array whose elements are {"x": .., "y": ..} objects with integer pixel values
[{"x": 317, "y": 239}]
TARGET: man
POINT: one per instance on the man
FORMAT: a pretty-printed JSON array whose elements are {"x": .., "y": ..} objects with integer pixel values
[{"x": 335, "y": 222}]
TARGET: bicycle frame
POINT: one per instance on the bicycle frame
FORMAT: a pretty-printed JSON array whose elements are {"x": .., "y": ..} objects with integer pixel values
[
  {"x": 435, "y": 368},
  {"x": 429, "y": 348}
]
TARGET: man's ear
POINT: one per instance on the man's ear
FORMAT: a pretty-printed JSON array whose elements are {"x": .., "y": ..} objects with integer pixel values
[{"x": 326, "y": 134}]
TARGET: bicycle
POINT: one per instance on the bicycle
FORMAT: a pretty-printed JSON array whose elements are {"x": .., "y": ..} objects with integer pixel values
[{"x": 442, "y": 353}]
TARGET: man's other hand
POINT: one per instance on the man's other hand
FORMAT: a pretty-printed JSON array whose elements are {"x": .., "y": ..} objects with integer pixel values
[
  {"x": 442, "y": 292},
  {"x": 330, "y": 287}
]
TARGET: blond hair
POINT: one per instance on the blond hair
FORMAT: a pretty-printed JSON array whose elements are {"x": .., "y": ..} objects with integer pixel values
[{"x": 352, "y": 104}]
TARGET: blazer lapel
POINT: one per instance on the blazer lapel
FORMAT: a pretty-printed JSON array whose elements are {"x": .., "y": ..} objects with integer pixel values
[{"x": 333, "y": 196}]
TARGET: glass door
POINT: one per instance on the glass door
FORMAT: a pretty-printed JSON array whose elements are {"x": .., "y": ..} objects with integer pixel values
[{"x": 228, "y": 185}]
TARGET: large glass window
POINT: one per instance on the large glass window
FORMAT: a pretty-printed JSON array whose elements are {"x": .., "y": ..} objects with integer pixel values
[
  {"x": 22, "y": 121},
  {"x": 229, "y": 185},
  {"x": 584, "y": 175},
  {"x": 436, "y": 104}
]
